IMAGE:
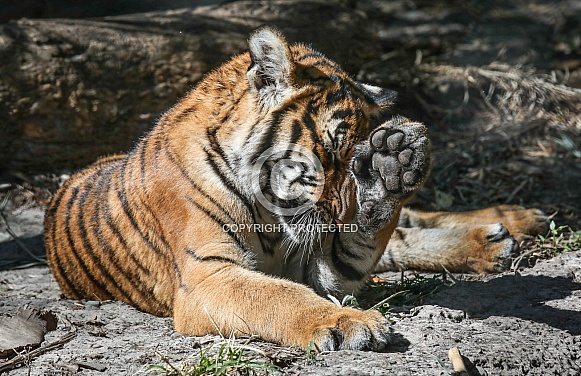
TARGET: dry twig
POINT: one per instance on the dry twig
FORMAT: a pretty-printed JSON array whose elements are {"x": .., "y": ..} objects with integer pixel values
[{"x": 457, "y": 362}]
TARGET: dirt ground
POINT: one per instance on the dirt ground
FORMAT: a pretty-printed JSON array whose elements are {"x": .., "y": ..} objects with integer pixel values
[
  {"x": 498, "y": 87},
  {"x": 524, "y": 323}
]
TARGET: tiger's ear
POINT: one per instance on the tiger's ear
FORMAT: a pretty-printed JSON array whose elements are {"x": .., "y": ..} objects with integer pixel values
[
  {"x": 272, "y": 65},
  {"x": 377, "y": 96}
]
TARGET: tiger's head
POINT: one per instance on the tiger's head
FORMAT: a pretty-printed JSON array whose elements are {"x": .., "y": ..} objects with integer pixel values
[{"x": 313, "y": 116}]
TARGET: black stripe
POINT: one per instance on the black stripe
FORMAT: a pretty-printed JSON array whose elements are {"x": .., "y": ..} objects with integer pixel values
[
  {"x": 222, "y": 224},
  {"x": 311, "y": 54},
  {"x": 215, "y": 145},
  {"x": 71, "y": 245},
  {"x": 342, "y": 114},
  {"x": 58, "y": 263},
  {"x": 311, "y": 126},
  {"x": 405, "y": 221},
  {"x": 402, "y": 237},
  {"x": 335, "y": 78},
  {"x": 185, "y": 113},
  {"x": 359, "y": 243},
  {"x": 309, "y": 181},
  {"x": 334, "y": 141},
  {"x": 233, "y": 107},
  {"x": 342, "y": 127},
  {"x": 179, "y": 274},
  {"x": 142, "y": 159},
  {"x": 125, "y": 205},
  {"x": 347, "y": 270},
  {"x": 310, "y": 123},
  {"x": 88, "y": 247},
  {"x": 334, "y": 97},
  {"x": 328, "y": 64},
  {"x": 157, "y": 148},
  {"x": 269, "y": 137},
  {"x": 57, "y": 198},
  {"x": 153, "y": 217},
  {"x": 286, "y": 203},
  {"x": 225, "y": 180},
  {"x": 254, "y": 130},
  {"x": 219, "y": 151},
  {"x": 210, "y": 258},
  {"x": 346, "y": 251},
  {"x": 203, "y": 192},
  {"x": 297, "y": 132},
  {"x": 265, "y": 245},
  {"x": 323, "y": 60}
]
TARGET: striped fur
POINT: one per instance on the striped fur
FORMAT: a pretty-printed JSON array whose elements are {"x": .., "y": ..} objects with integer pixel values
[{"x": 153, "y": 228}]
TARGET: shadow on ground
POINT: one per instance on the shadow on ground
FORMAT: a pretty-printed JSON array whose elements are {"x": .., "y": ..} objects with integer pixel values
[
  {"x": 13, "y": 252},
  {"x": 541, "y": 299}
]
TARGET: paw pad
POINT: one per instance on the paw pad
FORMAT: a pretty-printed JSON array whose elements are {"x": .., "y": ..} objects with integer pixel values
[
  {"x": 397, "y": 154},
  {"x": 390, "y": 166},
  {"x": 400, "y": 156}
]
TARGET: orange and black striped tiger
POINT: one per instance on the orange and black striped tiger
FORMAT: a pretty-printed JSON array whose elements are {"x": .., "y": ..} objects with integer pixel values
[{"x": 274, "y": 183}]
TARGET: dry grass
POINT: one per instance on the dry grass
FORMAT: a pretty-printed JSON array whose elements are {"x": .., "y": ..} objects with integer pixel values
[
  {"x": 508, "y": 97},
  {"x": 558, "y": 240}
]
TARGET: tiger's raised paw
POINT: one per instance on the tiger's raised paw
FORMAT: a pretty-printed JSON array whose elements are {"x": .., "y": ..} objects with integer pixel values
[
  {"x": 350, "y": 329},
  {"x": 389, "y": 169}
]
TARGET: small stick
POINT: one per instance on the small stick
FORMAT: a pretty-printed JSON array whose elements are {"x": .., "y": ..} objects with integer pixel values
[
  {"x": 516, "y": 262},
  {"x": 457, "y": 362},
  {"x": 517, "y": 190}
]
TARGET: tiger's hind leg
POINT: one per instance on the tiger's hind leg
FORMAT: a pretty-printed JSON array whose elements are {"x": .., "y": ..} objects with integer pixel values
[
  {"x": 480, "y": 241},
  {"x": 519, "y": 221},
  {"x": 480, "y": 249}
]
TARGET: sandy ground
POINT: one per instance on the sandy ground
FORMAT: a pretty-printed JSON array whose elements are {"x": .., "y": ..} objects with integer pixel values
[{"x": 527, "y": 323}]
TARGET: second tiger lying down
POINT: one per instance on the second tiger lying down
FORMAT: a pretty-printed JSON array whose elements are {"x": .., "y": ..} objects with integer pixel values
[{"x": 270, "y": 186}]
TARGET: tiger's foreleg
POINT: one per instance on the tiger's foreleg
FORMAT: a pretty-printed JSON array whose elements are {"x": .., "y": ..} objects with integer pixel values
[{"x": 221, "y": 297}]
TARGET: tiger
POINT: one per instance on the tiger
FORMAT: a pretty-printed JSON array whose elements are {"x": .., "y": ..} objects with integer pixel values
[{"x": 275, "y": 184}]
